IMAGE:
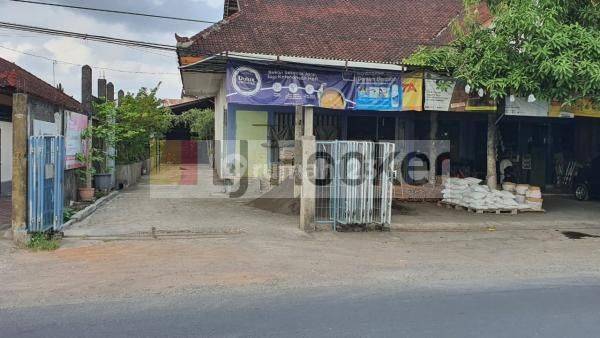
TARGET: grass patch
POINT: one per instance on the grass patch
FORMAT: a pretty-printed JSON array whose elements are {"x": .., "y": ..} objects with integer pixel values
[{"x": 43, "y": 242}]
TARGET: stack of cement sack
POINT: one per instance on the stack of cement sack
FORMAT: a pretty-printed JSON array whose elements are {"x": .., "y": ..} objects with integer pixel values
[
  {"x": 526, "y": 195},
  {"x": 470, "y": 193}
]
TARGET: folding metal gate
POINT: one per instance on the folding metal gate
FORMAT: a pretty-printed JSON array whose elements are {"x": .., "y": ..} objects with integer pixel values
[
  {"x": 45, "y": 183},
  {"x": 354, "y": 182}
]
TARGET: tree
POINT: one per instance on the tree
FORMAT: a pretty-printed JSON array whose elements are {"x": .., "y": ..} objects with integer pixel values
[
  {"x": 548, "y": 48},
  {"x": 200, "y": 121},
  {"x": 139, "y": 118}
]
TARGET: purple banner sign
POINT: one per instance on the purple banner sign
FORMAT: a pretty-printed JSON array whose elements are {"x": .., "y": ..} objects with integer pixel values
[{"x": 257, "y": 84}]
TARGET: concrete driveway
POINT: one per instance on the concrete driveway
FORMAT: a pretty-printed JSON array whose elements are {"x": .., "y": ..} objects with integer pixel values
[{"x": 178, "y": 202}]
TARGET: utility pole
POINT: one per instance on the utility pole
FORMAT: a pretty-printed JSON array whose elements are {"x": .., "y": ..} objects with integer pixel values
[{"x": 20, "y": 113}]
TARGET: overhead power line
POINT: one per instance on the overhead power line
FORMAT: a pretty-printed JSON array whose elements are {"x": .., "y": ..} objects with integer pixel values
[
  {"x": 94, "y": 67},
  {"x": 112, "y": 11},
  {"x": 91, "y": 37}
]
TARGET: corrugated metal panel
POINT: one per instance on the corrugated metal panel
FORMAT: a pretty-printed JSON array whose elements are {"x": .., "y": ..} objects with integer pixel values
[{"x": 45, "y": 183}]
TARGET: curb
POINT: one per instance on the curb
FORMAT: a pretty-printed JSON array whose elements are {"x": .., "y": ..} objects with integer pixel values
[{"x": 90, "y": 209}]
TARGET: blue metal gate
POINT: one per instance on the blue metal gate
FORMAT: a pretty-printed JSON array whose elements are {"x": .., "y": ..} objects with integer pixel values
[{"x": 45, "y": 183}]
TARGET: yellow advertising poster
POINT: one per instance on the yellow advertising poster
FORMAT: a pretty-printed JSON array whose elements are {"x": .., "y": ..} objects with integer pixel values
[{"x": 412, "y": 93}]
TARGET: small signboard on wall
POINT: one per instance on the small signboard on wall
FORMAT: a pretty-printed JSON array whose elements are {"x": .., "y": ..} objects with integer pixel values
[
  {"x": 445, "y": 94},
  {"x": 521, "y": 107},
  {"x": 74, "y": 126}
]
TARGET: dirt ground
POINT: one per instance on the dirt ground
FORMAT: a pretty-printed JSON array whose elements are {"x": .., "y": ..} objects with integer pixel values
[
  {"x": 144, "y": 243},
  {"x": 107, "y": 270},
  {"x": 561, "y": 212}
]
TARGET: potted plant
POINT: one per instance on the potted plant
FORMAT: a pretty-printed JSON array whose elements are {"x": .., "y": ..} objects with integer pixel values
[
  {"x": 85, "y": 173},
  {"x": 103, "y": 133}
]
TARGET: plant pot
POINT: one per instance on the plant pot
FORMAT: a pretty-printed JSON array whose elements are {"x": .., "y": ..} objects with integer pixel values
[
  {"x": 103, "y": 181},
  {"x": 86, "y": 194}
]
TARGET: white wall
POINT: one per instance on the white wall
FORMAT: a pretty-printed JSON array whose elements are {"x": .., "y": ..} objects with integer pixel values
[{"x": 6, "y": 151}]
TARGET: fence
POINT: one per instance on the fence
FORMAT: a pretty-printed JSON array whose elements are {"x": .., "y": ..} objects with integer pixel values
[
  {"x": 45, "y": 183},
  {"x": 354, "y": 182}
]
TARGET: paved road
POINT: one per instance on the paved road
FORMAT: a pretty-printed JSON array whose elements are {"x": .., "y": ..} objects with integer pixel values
[{"x": 568, "y": 311}]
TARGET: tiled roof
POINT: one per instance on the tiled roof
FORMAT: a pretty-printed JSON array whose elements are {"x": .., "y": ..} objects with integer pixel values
[
  {"x": 383, "y": 31},
  {"x": 21, "y": 80}
]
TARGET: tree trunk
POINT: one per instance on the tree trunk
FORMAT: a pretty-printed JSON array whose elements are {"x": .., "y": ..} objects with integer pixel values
[{"x": 492, "y": 179}]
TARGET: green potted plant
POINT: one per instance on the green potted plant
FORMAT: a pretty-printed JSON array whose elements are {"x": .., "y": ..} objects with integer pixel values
[
  {"x": 104, "y": 135},
  {"x": 85, "y": 174}
]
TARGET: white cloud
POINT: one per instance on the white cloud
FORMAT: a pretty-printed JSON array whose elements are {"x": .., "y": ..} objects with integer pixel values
[{"x": 100, "y": 54}]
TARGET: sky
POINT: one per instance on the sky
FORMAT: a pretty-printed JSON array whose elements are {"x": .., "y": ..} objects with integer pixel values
[{"x": 97, "y": 54}]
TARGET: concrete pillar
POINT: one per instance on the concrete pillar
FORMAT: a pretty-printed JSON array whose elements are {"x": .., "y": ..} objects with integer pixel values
[
  {"x": 111, "y": 151},
  {"x": 120, "y": 96},
  {"x": 86, "y": 90},
  {"x": 102, "y": 88},
  {"x": 19, "y": 175},
  {"x": 492, "y": 179},
  {"x": 433, "y": 131},
  {"x": 110, "y": 92},
  {"x": 308, "y": 193},
  {"x": 309, "y": 129},
  {"x": 298, "y": 133},
  {"x": 86, "y": 103}
]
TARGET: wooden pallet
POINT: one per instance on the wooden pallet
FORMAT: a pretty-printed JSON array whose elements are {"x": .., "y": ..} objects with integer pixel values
[{"x": 483, "y": 211}]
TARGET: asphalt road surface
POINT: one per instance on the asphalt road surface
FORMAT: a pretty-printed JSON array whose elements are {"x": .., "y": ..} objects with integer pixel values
[{"x": 564, "y": 311}]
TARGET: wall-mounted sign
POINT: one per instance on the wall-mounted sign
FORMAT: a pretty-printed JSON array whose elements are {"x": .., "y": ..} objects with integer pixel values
[
  {"x": 521, "y": 107},
  {"x": 412, "y": 92},
  {"x": 75, "y": 124},
  {"x": 450, "y": 95},
  {"x": 258, "y": 84}
]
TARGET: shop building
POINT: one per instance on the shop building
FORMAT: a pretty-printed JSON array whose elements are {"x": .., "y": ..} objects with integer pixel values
[{"x": 342, "y": 63}]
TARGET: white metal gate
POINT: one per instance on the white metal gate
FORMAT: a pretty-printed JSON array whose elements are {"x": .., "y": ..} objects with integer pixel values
[{"x": 354, "y": 182}]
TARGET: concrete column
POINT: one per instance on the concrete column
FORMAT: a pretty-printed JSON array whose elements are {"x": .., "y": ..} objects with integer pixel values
[
  {"x": 433, "y": 151},
  {"x": 19, "y": 175},
  {"x": 86, "y": 103},
  {"x": 492, "y": 179},
  {"x": 308, "y": 193},
  {"x": 309, "y": 129},
  {"x": 298, "y": 133},
  {"x": 86, "y": 90},
  {"x": 110, "y": 92},
  {"x": 102, "y": 88},
  {"x": 120, "y": 96},
  {"x": 111, "y": 151}
]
